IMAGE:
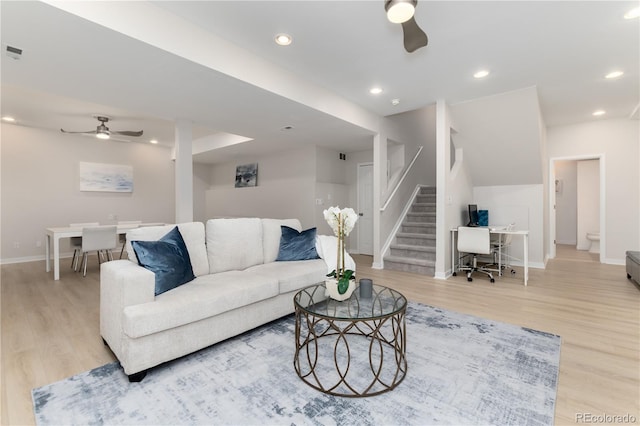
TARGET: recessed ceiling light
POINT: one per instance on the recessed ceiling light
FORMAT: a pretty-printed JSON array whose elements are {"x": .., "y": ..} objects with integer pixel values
[
  {"x": 283, "y": 39},
  {"x": 599, "y": 113},
  {"x": 153, "y": 141},
  {"x": 633, "y": 13},
  {"x": 614, "y": 74},
  {"x": 375, "y": 90},
  {"x": 8, "y": 119},
  {"x": 481, "y": 74},
  {"x": 395, "y": 102}
]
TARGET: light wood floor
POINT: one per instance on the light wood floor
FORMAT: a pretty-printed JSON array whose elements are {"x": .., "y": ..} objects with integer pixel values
[{"x": 50, "y": 330}]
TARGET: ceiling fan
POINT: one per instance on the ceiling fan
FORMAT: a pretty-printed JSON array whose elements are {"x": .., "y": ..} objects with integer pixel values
[
  {"x": 402, "y": 12},
  {"x": 103, "y": 132}
]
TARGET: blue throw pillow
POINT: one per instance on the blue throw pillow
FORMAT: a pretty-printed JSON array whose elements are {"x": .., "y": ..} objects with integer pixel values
[
  {"x": 168, "y": 258},
  {"x": 296, "y": 245}
]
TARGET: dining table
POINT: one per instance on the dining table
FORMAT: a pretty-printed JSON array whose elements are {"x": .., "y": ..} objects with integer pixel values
[{"x": 55, "y": 234}]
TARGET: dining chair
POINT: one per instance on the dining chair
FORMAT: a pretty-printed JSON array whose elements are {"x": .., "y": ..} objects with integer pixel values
[
  {"x": 101, "y": 239},
  {"x": 123, "y": 237},
  {"x": 76, "y": 243}
]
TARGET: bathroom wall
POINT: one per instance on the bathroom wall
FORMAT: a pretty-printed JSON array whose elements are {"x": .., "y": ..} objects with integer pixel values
[{"x": 588, "y": 175}]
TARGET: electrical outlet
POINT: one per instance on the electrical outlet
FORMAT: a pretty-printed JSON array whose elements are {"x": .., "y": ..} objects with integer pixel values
[
  {"x": 16, "y": 244},
  {"x": 38, "y": 243},
  {"x": 319, "y": 201}
]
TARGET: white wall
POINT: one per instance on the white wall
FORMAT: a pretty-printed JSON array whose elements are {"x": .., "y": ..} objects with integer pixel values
[
  {"x": 566, "y": 202},
  {"x": 588, "y": 201},
  {"x": 618, "y": 141},
  {"x": 40, "y": 186},
  {"x": 519, "y": 204},
  {"x": 505, "y": 129},
  {"x": 285, "y": 189},
  {"x": 201, "y": 179}
]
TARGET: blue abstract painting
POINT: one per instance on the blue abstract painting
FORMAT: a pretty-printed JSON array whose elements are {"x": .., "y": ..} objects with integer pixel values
[{"x": 106, "y": 177}]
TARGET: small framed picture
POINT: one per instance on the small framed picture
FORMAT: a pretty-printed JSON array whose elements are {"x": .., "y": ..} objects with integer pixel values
[{"x": 247, "y": 175}]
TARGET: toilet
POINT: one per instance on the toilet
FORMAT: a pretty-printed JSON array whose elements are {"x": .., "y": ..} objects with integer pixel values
[{"x": 594, "y": 238}]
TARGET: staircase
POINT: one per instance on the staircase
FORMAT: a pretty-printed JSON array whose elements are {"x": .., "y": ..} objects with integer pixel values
[{"x": 414, "y": 248}]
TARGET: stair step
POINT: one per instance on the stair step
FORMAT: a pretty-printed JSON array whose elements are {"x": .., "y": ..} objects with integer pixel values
[
  {"x": 427, "y": 198},
  {"x": 416, "y": 239},
  {"x": 427, "y": 190},
  {"x": 419, "y": 227},
  {"x": 423, "y": 208},
  {"x": 416, "y": 266},
  {"x": 421, "y": 217},
  {"x": 413, "y": 252}
]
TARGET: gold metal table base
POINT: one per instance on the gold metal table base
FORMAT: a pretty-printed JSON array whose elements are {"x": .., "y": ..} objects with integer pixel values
[{"x": 352, "y": 375}]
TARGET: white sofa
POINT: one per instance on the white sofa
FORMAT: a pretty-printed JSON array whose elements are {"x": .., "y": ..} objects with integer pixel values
[{"x": 238, "y": 286}]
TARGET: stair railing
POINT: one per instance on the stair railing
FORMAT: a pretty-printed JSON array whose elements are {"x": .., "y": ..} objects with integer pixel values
[{"x": 404, "y": 175}]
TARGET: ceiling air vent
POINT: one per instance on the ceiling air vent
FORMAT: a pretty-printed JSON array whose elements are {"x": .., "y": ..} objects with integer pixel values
[{"x": 13, "y": 52}]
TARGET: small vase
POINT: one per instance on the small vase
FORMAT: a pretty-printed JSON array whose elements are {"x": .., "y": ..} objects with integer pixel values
[{"x": 332, "y": 289}]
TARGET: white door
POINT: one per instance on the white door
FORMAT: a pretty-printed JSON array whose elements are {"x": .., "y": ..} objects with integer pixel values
[{"x": 365, "y": 208}]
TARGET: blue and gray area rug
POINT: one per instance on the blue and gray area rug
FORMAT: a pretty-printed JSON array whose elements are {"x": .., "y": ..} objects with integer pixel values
[{"x": 462, "y": 370}]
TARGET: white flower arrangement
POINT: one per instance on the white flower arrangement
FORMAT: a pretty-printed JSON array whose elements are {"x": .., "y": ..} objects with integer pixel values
[{"x": 342, "y": 223}]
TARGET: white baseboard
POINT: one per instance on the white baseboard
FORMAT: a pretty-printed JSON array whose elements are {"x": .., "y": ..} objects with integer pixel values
[
  {"x": 26, "y": 259},
  {"x": 610, "y": 261},
  {"x": 377, "y": 265},
  {"x": 442, "y": 276}
]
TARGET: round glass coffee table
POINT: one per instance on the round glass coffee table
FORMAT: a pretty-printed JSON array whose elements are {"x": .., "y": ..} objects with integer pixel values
[{"x": 353, "y": 348}]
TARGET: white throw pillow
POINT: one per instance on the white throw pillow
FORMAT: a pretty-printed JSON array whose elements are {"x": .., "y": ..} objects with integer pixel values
[
  {"x": 271, "y": 233},
  {"x": 234, "y": 244},
  {"x": 192, "y": 234}
]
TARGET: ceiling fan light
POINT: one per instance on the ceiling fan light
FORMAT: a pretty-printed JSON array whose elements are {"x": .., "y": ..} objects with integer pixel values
[
  {"x": 399, "y": 11},
  {"x": 101, "y": 134}
]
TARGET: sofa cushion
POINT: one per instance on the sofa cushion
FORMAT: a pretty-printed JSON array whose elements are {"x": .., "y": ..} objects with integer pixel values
[
  {"x": 167, "y": 258},
  {"x": 296, "y": 245},
  {"x": 271, "y": 233},
  {"x": 202, "y": 298},
  {"x": 192, "y": 234},
  {"x": 234, "y": 244},
  {"x": 292, "y": 276}
]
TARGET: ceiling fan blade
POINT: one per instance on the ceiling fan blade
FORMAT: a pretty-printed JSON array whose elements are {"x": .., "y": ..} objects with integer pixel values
[
  {"x": 127, "y": 133},
  {"x": 88, "y": 131},
  {"x": 414, "y": 37}
]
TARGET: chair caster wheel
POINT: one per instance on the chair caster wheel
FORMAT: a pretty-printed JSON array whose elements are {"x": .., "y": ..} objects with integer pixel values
[
  {"x": 513, "y": 272},
  {"x": 469, "y": 279},
  {"x": 493, "y": 280},
  {"x": 455, "y": 274}
]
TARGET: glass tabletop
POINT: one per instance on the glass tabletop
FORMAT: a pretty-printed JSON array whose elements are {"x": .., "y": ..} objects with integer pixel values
[{"x": 383, "y": 302}]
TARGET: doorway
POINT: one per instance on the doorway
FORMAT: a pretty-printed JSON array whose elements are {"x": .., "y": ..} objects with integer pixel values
[{"x": 577, "y": 208}]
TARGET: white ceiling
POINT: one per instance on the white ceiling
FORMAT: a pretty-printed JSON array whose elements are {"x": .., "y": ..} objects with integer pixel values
[{"x": 72, "y": 69}]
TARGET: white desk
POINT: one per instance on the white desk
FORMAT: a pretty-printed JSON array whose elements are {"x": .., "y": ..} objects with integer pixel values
[
  {"x": 497, "y": 230},
  {"x": 55, "y": 234}
]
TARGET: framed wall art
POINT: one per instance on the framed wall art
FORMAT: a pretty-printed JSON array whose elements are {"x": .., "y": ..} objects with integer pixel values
[
  {"x": 247, "y": 175},
  {"x": 106, "y": 177}
]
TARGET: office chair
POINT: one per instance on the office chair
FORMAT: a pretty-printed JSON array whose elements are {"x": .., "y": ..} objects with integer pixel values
[
  {"x": 102, "y": 239},
  {"x": 474, "y": 241}
]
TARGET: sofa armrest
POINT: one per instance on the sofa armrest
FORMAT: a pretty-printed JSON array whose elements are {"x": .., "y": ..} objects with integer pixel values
[{"x": 122, "y": 284}]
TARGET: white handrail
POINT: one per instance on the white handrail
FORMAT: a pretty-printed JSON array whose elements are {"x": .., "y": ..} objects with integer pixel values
[{"x": 404, "y": 175}]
